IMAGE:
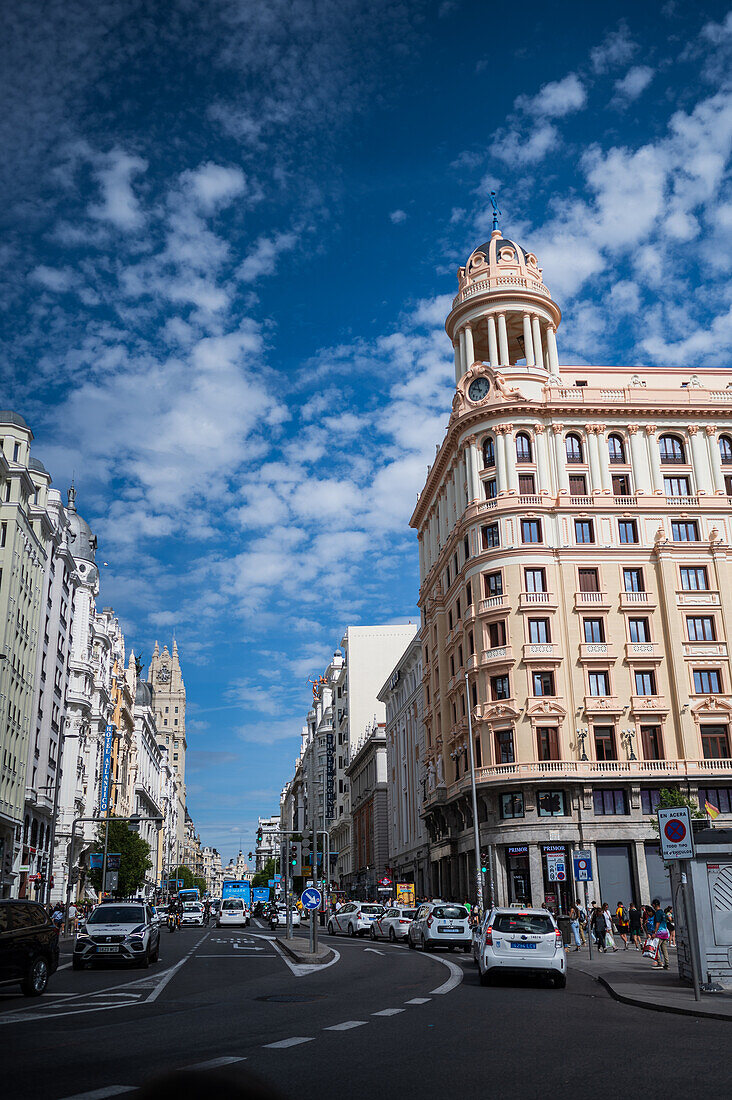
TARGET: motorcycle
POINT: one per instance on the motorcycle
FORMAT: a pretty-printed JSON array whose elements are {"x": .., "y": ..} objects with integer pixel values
[{"x": 173, "y": 922}]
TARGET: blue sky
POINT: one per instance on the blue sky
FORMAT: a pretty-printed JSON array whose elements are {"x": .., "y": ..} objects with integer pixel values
[{"x": 230, "y": 238}]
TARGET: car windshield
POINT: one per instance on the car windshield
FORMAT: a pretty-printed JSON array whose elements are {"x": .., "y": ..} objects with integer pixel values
[
  {"x": 533, "y": 923},
  {"x": 192, "y": 907},
  {"x": 371, "y": 908},
  {"x": 409, "y": 913},
  {"x": 117, "y": 914},
  {"x": 450, "y": 912},
  {"x": 233, "y": 903}
]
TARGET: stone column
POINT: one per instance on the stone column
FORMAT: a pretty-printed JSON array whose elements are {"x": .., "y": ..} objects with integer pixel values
[
  {"x": 640, "y": 862},
  {"x": 458, "y": 364},
  {"x": 528, "y": 342},
  {"x": 551, "y": 343},
  {"x": 501, "y": 478},
  {"x": 449, "y": 490},
  {"x": 543, "y": 472},
  {"x": 715, "y": 461},
  {"x": 510, "y": 451},
  {"x": 639, "y": 460},
  {"x": 492, "y": 341},
  {"x": 654, "y": 460},
  {"x": 700, "y": 456},
  {"x": 561, "y": 456},
  {"x": 538, "y": 349},
  {"x": 595, "y": 478},
  {"x": 502, "y": 340},
  {"x": 536, "y": 876},
  {"x": 469, "y": 348},
  {"x": 473, "y": 478},
  {"x": 463, "y": 356},
  {"x": 604, "y": 457}
]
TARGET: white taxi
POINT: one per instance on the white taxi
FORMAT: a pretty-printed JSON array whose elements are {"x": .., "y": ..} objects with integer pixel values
[
  {"x": 521, "y": 940},
  {"x": 232, "y": 911},
  {"x": 355, "y": 918},
  {"x": 117, "y": 932},
  {"x": 440, "y": 924},
  {"x": 393, "y": 924},
  {"x": 192, "y": 913}
]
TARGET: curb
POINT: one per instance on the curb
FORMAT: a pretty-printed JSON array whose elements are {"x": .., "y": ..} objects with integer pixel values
[
  {"x": 325, "y": 954},
  {"x": 651, "y": 1006}
]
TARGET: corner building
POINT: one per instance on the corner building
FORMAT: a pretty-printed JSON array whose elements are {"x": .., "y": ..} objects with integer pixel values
[{"x": 574, "y": 538}]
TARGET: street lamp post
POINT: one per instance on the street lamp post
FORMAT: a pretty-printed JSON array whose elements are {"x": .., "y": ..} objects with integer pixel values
[{"x": 581, "y": 738}]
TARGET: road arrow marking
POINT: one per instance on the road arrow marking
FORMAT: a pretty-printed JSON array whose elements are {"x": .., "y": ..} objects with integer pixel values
[{"x": 374, "y": 951}]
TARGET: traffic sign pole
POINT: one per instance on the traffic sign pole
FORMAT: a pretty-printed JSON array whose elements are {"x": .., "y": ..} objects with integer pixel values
[{"x": 313, "y": 913}]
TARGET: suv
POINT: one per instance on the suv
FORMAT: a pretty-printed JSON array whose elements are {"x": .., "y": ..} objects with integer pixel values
[
  {"x": 440, "y": 924},
  {"x": 28, "y": 946},
  {"x": 118, "y": 931},
  {"x": 521, "y": 940},
  {"x": 355, "y": 918}
]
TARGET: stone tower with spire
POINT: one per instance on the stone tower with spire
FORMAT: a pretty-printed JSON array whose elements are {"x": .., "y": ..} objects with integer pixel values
[{"x": 169, "y": 695}]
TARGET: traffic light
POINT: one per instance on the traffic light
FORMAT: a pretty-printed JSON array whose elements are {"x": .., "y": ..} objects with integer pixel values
[
  {"x": 134, "y": 823},
  {"x": 8, "y": 858},
  {"x": 250, "y": 856},
  {"x": 484, "y": 863},
  {"x": 259, "y": 836}
]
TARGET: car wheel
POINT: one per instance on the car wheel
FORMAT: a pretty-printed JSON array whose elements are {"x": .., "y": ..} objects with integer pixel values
[
  {"x": 560, "y": 981},
  {"x": 156, "y": 953},
  {"x": 411, "y": 943},
  {"x": 351, "y": 931},
  {"x": 486, "y": 978},
  {"x": 144, "y": 962},
  {"x": 36, "y": 979},
  {"x": 466, "y": 949},
  {"x": 392, "y": 937},
  {"x": 331, "y": 929},
  {"x": 372, "y": 933},
  {"x": 78, "y": 964}
]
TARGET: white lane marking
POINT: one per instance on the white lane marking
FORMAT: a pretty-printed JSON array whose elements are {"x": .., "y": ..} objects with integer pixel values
[
  {"x": 346, "y": 1026},
  {"x": 239, "y": 955},
  {"x": 418, "y": 1001},
  {"x": 170, "y": 974},
  {"x": 64, "y": 966},
  {"x": 100, "y": 1094},
  {"x": 289, "y": 1042},
  {"x": 388, "y": 1012},
  {"x": 374, "y": 951},
  {"x": 456, "y": 976},
  {"x": 214, "y": 1063},
  {"x": 301, "y": 969}
]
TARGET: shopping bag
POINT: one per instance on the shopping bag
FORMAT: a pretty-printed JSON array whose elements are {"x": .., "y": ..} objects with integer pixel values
[
  {"x": 609, "y": 942},
  {"x": 650, "y": 948}
]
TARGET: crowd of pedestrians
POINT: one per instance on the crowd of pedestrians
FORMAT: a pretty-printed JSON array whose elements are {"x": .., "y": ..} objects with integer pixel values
[{"x": 633, "y": 927}]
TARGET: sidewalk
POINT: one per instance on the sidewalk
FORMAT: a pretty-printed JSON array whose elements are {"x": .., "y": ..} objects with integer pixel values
[{"x": 629, "y": 978}]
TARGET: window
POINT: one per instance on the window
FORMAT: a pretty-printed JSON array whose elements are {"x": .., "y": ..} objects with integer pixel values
[
  {"x": 489, "y": 452},
  {"x": 584, "y": 530},
  {"x": 594, "y": 630},
  {"x": 542, "y": 683},
  {"x": 651, "y": 743},
  {"x": 469, "y": 594},
  {"x": 573, "y": 448},
  {"x": 490, "y": 536},
  {"x": 621, "y": 485},
  {"x": 650, "y": 800},
  {"x": 504, "y": 747},
  {"x": 700, "y": 628},
  {"x": 725, "y": 450},
  {"x": 551, "y": 803},
  {"x": 604, "y": 742},
  {"x": 707, "y": 681},
  {"x": 599, "y": 682},
  {"x": 466, "y": 548},
  {"x": 671, "y": 449},
  {"x": 500, "y": 687},
  {"x": 539, "y": 631},
  {"x": 685, "y": 531},
  {"x": 578, "y": 485},
  {"x": 721, "y": 797},
  {"x": 497, "y": 634},
  {"x": 638, "y": 629},
  {"x": 491, "y": 489},
  {"x": 512, "y": 805},
  {"x": 523, "y": 448},
  {"x": 493, "y": 584},
  {"x": 633, "y": 580},
  {"x": 627, "y": 530},
  {"x": 589, "y": 580},
  {"x": 676, "y": 486},
  {"x": 610, "y": 802},
  {"x": 715, "y": 742},
  {"x": 645, "y": 681},
  {"x": 531, "y": 530},
  {"x": 728, "y": 485},
  {"x": 616, "y": 449},
  {"x": 527, "y": 486},
  {"x": 535, "y": 580},
  {"x": 547, "y": 743},
  {"x": 694, "y": 578}
]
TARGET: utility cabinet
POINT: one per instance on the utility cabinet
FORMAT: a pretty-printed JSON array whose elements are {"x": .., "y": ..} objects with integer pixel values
[{"x": 710, "y": 892}]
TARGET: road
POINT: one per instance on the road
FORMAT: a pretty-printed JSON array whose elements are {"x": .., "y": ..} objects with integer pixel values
[{"x": 379, "y": 1018}]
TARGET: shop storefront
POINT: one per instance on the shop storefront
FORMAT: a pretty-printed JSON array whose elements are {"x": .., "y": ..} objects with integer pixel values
[
  {"x": 557, "y": 892},
  {"x": 517, "y": 873}
]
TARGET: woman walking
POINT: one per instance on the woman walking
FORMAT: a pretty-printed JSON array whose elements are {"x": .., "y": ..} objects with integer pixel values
[
  {"x": 660, "y": 930},
  {"x": 608, "y": 918},
  {"x": 635, "y": 928},
  {"x": 670, "y": 924},
  {"x": 597, "y": 927},
  {"x": 574, "y": 920}
]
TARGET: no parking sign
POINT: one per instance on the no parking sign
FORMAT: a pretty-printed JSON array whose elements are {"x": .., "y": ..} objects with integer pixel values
[
  {"x": 677, "y": 839},
  {"x": 556, "y": 868}
]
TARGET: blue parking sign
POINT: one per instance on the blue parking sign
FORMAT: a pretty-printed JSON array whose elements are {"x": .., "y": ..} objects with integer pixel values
[{"x": 582, "y": 861}]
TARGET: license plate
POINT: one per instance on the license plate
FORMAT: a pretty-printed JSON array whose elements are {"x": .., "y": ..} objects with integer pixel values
[
  {"x": 525, "y": 946},
  {"x": 449, "y": 928},
  {"x": 108, "y": 950}
]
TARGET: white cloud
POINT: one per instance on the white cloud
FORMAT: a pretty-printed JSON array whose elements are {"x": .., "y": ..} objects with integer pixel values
[
  {"x": 398, "y": 216},
  {"x": 517, "y": 148},
  {"x": 555, "y": 99},
  {"x": 262, "y": 259},
  {"x": 119, "y": 204},
  {"x": 633, "y": 84},
  {"x": 616, "y": 49},
  {"x": 214, "y": 185},
  {"x": 58, "y": 280}
]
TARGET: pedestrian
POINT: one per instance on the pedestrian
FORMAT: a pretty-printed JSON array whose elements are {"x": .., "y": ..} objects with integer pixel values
[
  {"x": 635, "y": 927},
  {"x": 621, "y": 923},
  {"x": 574, "y": 921},
  {"x": 72, "y": 917},
  {"x": 660, "y": 931},
  {"x": 608, "y": 918},
  {"x": 582, "y": 921},
  {"x": 597, "y": 926},
  {"x": 670, "y": 925}
]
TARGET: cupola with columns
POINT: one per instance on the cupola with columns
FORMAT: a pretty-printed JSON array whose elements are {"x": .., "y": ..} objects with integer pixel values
[{"x": 503, "y": 314}]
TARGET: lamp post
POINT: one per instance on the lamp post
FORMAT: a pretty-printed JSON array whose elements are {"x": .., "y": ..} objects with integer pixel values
[
  {"x": 582, "y": 735},
  {"x": 476, "y": 831},
  {"x": 628, "y": 736}
]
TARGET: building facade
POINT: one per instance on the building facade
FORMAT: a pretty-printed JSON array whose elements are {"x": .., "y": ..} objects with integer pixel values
[
  {"x": 170, "y": 716},
  {"x": 574, "y": 540},
  {"x": 147, "y": 774},
  {"x": 366, "y": 774},
  {"x": 268, "y": 841}
]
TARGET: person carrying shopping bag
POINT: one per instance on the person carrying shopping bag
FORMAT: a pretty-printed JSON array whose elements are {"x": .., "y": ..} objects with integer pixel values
[
  {"x": 661, "y": 933},
  {"x": 608, "y": 918}
]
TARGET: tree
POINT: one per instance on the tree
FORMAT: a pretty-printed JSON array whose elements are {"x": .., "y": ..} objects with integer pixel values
[
  {"x": 185, "y": 875},
  {"x": 262, "y": 877},
  {"x": 672, "y": 798},
  {"x": 135, "y": 859}
]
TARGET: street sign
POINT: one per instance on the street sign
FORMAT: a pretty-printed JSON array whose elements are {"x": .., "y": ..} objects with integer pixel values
[
  {"x": 271, "y": 883},
  {"x": 311, "y": 898},
  {"x": 112, "y": 880},
  {"x": 677, "y": 839},
  {"x": 109, "y": 732},
  {"x": 556, "y": 868},
  {"x": 114, "y": 861},
  {"x": 582, "y": 861},
  {"x": 386, "y": 881}
]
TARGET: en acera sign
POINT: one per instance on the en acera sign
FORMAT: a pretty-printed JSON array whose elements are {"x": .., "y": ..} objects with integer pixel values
[{"x": 677, "y": 839}]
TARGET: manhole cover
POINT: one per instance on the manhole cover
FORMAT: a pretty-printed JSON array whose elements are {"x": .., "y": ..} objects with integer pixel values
[{"x": 291, "y": 998}]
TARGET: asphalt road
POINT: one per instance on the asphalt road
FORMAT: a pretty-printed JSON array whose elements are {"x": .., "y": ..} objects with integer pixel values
[{"x": 381, "y": 1018}]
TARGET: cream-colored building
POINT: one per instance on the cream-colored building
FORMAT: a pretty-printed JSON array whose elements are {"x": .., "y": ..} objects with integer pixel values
[
  {"x": 574, "y": 538},
  {"x": 169, "y": 695}
]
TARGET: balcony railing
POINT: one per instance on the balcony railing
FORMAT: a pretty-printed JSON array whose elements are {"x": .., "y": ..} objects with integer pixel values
[
  {"x": 644, "y": 703},
  {"x": 594, "y": 651},
  {"x": 542, "y": 651},
  {"x": 705, "y": 649},
  {"x": 501, "y": 654},
  {"x": 643, "y": 651},
  {"x": 689, "y": 501},
  {"x": 601, "y": 769},
  {"x": 531, "y": 601},
  {"x": 490, "y": 603},
  {"x": 673, "y": 460}
]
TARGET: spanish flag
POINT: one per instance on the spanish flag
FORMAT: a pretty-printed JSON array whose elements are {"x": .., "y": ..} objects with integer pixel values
[{"x": 711, "y": 810}]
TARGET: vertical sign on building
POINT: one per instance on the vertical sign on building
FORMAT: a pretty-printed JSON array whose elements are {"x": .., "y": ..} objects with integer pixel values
[
  {"x": 106, "y": 768},
  {"x": 330, "y": 775}
]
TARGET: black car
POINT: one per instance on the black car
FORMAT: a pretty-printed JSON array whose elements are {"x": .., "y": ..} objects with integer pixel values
[{"x": 28, "y": 946}]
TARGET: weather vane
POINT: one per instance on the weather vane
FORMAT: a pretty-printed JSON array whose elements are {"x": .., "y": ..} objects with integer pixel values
[{"x": 496, "y": 211}]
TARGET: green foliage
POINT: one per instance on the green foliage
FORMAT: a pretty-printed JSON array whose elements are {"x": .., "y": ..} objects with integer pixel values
[
  {"x": 185, "y": 875},
  {"x": 262, "y": 877},
  {"x": 672, "y": 798},
  {"x": 135, "y": 858}
]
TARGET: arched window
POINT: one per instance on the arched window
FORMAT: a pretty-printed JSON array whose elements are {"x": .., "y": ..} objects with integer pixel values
[
  {"x": 616, "y": 447},
  {"x": 671, "y": 449},
  {"x": 489, "y": 452},
  {"x": 725, "y": 450},
  {"x": 523, "y": 448},
  {"x": 573, "y": 447}
]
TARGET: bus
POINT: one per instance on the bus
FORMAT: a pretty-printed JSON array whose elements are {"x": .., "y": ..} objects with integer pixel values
[
  {"x": 193, "y": 894},
  {"x": 237, "y": 888}
]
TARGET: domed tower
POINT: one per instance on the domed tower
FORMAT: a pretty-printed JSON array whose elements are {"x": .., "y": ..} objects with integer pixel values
[
  {"x": 82, "y": 543},
  {"x": 503, "y": 314}
]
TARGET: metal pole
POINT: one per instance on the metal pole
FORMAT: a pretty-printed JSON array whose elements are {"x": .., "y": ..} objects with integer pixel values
[
  {"x": 476, "y": 832},
  {"x": 68, "y": 876},
  {"x": 106, "y": 845},
  {"x": 690, "y": 911},
  {"x": 288, "y": 918},
  {"x": 587, "y": 911},
  {"x": 313, "y": 913}
]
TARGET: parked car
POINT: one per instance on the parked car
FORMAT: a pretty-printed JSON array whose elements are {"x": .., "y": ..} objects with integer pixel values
[
  {"x": 28, "y": 946},
  {"x": 117, "y": 932},
  {"x": 192, "y": 913},
  {"x": 393, "y": 924},
  {"x": 521, "y": 941},
  {"x": 440, "y": 924},
  {"x": 355, "y": 918}
]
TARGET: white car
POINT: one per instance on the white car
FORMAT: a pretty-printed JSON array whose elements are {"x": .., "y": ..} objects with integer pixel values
[
  {"x": 232, "y": 911},
  {"x": 192, "y": 913},
  {"x": 440, "y": 924},
  {"x": 355, "y": 918},
  {"x": 120, "y": 932},
  {"x": 393, "y": 924},
  {"x": 279, "y": 918},
  {"x": 521, "y": 940}
]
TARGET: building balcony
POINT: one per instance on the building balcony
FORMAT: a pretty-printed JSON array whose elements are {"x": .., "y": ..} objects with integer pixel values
[
  {"x": 649, "y": 704},
  {"x": 597, "y": 651},
  {"x": 599, "y": 769},
  {"x": 594, "y": 600},
  {"x": 499, "y": 655},
  {"x": 689, "y": 501},
  {"x": 643, "y": 651},
  {"x": 705, "y": 649},
  {"x": 493, "y": 603},
  {"x": 537, "y": 601},
  {"x": 604, "y": 704},
  {"x": 637, "y": 601},
  {"x": 542, "y": 651},
  {"x": 470, "y": 613},
  {"x": 710, "y": 598},
  {"x": 471, "y": 662}
]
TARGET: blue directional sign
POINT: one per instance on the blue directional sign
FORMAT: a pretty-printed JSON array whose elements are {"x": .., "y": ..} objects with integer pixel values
[
  {"x": 109, "y": 731},
  {"x": 311, "y": 898}
]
